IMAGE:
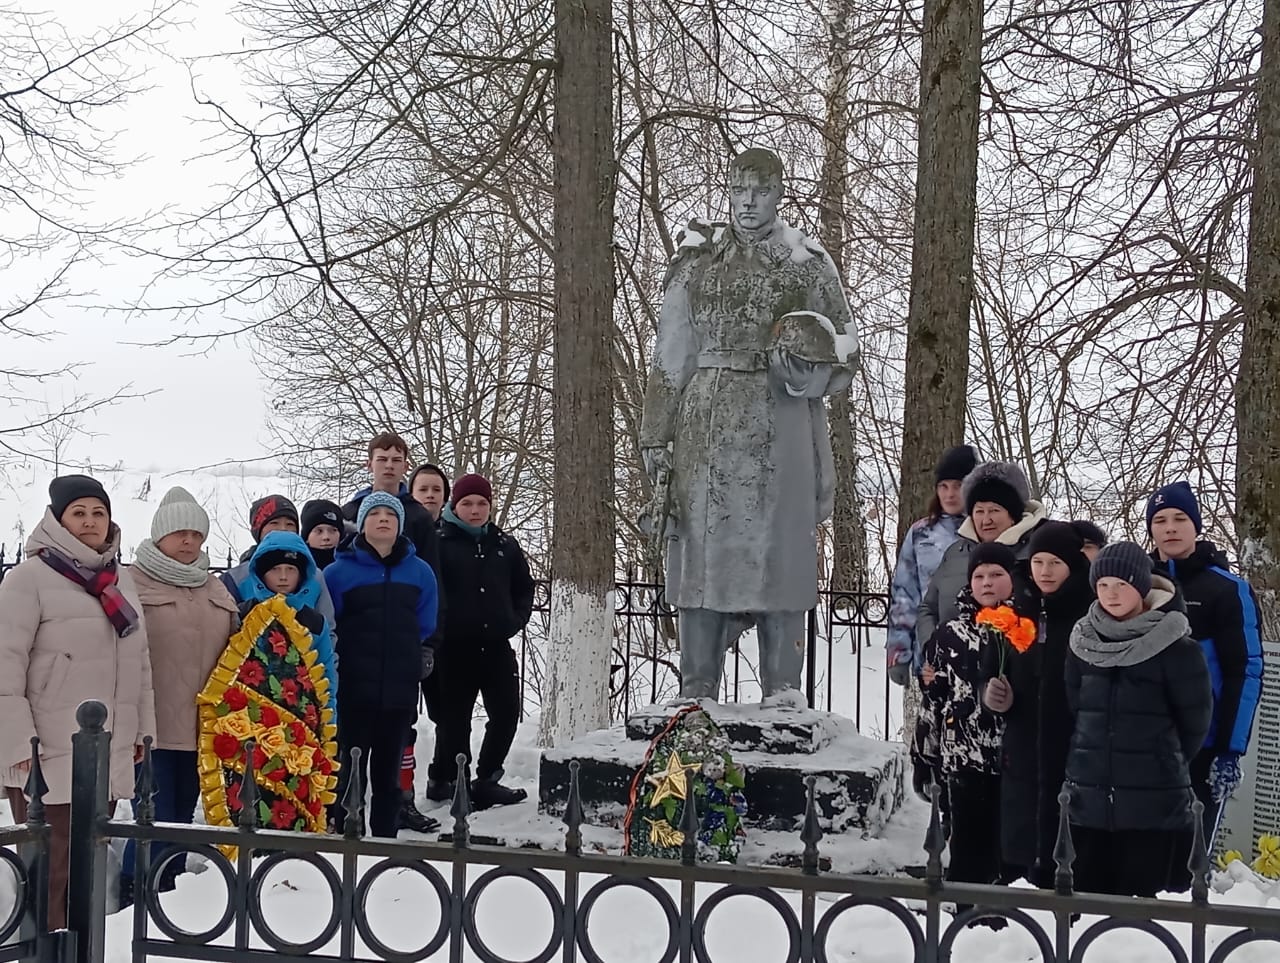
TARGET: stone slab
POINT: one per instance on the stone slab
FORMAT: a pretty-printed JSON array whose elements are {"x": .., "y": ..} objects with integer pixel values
[
  {"x": 749, "y": 727},
  {"x": 860, "y": 781}
]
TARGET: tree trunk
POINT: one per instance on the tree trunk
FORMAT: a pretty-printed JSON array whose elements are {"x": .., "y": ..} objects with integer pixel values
[
  {"x": 937, "y": 362},
  {"x": 849, "y": 541},
  {"x": 576, "y": 697},
  {"x": 1258, "y": 385}
]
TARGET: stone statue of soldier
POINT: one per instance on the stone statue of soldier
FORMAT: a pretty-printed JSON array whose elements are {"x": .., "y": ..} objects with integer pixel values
[{"x": 754, "y": 332}]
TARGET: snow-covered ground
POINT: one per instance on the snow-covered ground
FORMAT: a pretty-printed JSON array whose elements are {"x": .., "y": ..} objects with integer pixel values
[{"x": 626, "y": 925}]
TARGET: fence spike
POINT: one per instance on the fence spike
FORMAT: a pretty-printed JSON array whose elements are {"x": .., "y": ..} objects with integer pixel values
[
  {"x": 1064, "y": 850},
  {"x": 249, "y": 790},
  {"x": 934, "y": 840},
  {"x": 573, "y": 813},
  {"x": 144, "y": 787},
  {"x": 811, "y": 832},
  {"x": 36, "y": 787},
  {"x": 461, "y": 808},
  {"x": 689, "y": 821},
  {"x": 353, "y": 798},
  {"x": 1199, "y": 861}
]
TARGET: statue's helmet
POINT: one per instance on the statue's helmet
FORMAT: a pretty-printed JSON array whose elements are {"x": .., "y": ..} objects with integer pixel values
[{"x": 807, "y": 336}]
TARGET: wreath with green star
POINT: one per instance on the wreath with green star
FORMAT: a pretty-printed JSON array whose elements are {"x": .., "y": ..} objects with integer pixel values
[{"x": 690, "y": 743}]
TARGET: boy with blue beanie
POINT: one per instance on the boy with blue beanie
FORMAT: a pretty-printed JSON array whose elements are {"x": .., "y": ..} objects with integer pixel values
[
  {"x": 1223, "y": 613},
  {"x": 385, "y": 600}
]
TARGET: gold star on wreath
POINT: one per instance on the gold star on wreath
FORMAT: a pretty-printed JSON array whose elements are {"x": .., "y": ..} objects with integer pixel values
[
  {"x": 670, "y": 782},
  {"x": 662, "y": 833}
]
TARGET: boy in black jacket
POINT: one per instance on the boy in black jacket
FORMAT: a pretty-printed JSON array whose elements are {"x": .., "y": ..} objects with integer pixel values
[
  {"x": 1224, "y": 619},
  {"x": 491, "y": 592},
  {"x": 385, "y": 599},
  {"x": 1138, "y": 687},
  {"x": 388, "y": 462}
]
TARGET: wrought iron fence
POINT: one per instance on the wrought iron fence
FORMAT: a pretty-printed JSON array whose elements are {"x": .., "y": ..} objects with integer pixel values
[
  {"x": 571, "y": 882},
  {"x": 842, "y": 632}
]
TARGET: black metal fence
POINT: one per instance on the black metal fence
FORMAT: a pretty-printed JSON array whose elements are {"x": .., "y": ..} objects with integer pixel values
[
  {"x": 571, "y": 882},
  {"x": 844, "y": 655}
]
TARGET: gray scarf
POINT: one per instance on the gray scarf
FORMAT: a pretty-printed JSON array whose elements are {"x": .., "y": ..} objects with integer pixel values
[
  {"x": 164, "y": 569},
  {"x": 1100, "y": 640}
]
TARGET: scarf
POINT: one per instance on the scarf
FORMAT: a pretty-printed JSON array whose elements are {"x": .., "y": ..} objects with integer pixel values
[
  {"x": 476, "y": 533},
  {"x": 1100, "y": 640},
  {"x": 101, "y": 584},
  {"x": 162, "y": 568}
]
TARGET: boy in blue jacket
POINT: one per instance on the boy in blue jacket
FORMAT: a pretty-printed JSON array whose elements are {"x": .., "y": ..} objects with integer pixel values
[
  {"x": 384, "y": 599},
  {"x": 1224, "y": 619},
  {"x": 282, "y": 565}
]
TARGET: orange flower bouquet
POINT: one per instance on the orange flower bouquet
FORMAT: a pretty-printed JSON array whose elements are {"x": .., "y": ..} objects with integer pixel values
[{"x": 1019, "y": 633}]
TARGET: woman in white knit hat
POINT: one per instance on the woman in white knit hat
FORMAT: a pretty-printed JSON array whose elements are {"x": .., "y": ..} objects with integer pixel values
[{"x": 190, "y": 615}]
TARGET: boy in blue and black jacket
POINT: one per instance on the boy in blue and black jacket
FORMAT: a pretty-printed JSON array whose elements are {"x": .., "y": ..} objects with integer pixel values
[
  {"x": 1223, "y": 613},
  {"x": 384, "y": 598}
]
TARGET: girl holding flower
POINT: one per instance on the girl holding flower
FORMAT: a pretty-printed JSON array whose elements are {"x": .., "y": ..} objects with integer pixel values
[
  {"x": 957, "y": 733},
  {"x": 1031, "y": 697}
]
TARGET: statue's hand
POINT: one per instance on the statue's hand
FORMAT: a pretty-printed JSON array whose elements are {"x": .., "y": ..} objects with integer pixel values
[{"x": 656, "y": 460}]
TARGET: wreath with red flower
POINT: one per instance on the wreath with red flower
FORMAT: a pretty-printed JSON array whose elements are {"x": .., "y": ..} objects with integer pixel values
[{"x": 268, "y": 688}]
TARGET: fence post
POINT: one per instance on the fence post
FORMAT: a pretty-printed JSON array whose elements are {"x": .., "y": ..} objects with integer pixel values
[
  {"x": 811, "y": 656},
  {"x": 90, "y": 787}
]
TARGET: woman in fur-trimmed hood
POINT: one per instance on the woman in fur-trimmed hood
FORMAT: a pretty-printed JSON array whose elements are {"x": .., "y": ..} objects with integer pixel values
[{"x": 998, "y": 502}]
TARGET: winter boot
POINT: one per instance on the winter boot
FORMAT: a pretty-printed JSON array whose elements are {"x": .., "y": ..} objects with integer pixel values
[
  {"x": 438, "y": 790},
  {"x": 412, "y": 820},
  {"x": 490, "y": 792}
]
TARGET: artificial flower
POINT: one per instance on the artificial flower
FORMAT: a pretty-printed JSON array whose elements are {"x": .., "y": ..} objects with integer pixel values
[
  {"x": 283, "y": 813},
  {"x": 237, "y": 724},
  {"x": 289, "y": 692},
  {"x": 236, "y": 699},
  {"x": 298, "y": 733},
  {"x": 233, "y": 796},
  {"x": 226, "y": 746},
  {"x": 279, "y": 644},
  {"x": 311, "y": 716},
  {"x": 1268, "y": 861},
  {"x": 253, "y": 672},
  {"x": 297, "y": 760},
  {"x": 270, "y": 718},
  {"x": 274, "y": 742},
  {"x": 1229, "y": 857},
  {"x": 1019, "y": 633}
]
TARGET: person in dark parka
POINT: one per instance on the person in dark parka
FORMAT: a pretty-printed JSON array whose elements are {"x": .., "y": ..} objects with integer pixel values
[
  {"x": 1033, "y": 755},
  {"x": 1138, "y": 687},
  {"x": 385, "y": 600},
  {"x": 491, "y": 599}
]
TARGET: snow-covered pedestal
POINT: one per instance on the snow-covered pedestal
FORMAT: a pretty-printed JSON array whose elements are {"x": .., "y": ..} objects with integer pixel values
[{"x": 859, "y": 780}]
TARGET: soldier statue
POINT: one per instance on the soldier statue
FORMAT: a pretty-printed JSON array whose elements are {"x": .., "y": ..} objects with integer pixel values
[{"x": 754, "y": 332}]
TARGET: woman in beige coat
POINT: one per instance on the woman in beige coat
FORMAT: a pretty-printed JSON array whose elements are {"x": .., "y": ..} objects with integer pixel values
[
  {"x": 190, "y": 616},
  {"x": 71, "y": 629}
]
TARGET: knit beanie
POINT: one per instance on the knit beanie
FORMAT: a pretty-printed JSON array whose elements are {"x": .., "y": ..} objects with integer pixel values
[
  {"x": 1001, "y": 482},
  {"x": 1123, "y": 560},
  {"x": 1090, "y": 532},
  {"x": 67, "y": 488},
  {"x": 268, "y": 509},
  {"x": 266, "y": 561},
  {"x": 379, "y": 500},
  {"x": 955, "y": 463},
  {"x": 1178, "y": 495},
  {"x": 178, "y": 512},
  {"x": 1060, "y": 540},
  {"x": 992, "y": 553},
  {"x": 318, "y": 512},
  {"x": 434, "y": 470},
  {"x": 471, "y": 485}
]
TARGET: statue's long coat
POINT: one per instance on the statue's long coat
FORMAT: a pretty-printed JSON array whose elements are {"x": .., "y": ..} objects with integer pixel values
[{"x": 752, "y": 473}]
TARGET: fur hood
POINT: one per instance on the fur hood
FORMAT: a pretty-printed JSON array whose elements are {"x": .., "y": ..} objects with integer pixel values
[
  {"x": 1005, "y": 472},
  {"x": 1016, "y": 533}
]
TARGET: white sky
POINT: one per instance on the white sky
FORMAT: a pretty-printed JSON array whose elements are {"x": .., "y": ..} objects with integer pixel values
[{"x": 207, "y": 403}]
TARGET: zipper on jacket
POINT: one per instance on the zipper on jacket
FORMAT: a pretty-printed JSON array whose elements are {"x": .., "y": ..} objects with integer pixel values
[{"x": 1111, "y": 737}]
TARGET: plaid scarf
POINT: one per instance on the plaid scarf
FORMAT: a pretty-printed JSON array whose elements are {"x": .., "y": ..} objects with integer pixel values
[{"x": 100, "y": 584}]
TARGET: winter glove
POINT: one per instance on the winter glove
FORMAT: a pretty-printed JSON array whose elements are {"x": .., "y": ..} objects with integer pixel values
[
  {"x": 428, "y": 660},
  {"x": 900, "y": 674},
  {"x": 311, "y": 620},
  {"x": 998, "y": 695},
  {"x": 1224, "y": 776}
]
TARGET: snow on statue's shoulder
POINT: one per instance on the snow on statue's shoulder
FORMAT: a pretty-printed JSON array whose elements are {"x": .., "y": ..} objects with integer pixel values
[{"x": 699, "y": 233}]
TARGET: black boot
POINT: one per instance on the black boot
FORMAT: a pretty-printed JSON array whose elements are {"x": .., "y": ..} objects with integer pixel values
[
  {"x": 490, "y": 792},
  {"x": 438, "y": 790},
  {"x": 126, "y": 893},
  {"x": 413, "y": 820}
]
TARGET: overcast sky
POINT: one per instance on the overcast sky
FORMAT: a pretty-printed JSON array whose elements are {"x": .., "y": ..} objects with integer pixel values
[{"x": 205, "y": 403}]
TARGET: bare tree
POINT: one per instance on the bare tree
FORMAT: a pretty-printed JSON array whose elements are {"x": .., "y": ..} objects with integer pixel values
[{"x": 1258, "y": 387}]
